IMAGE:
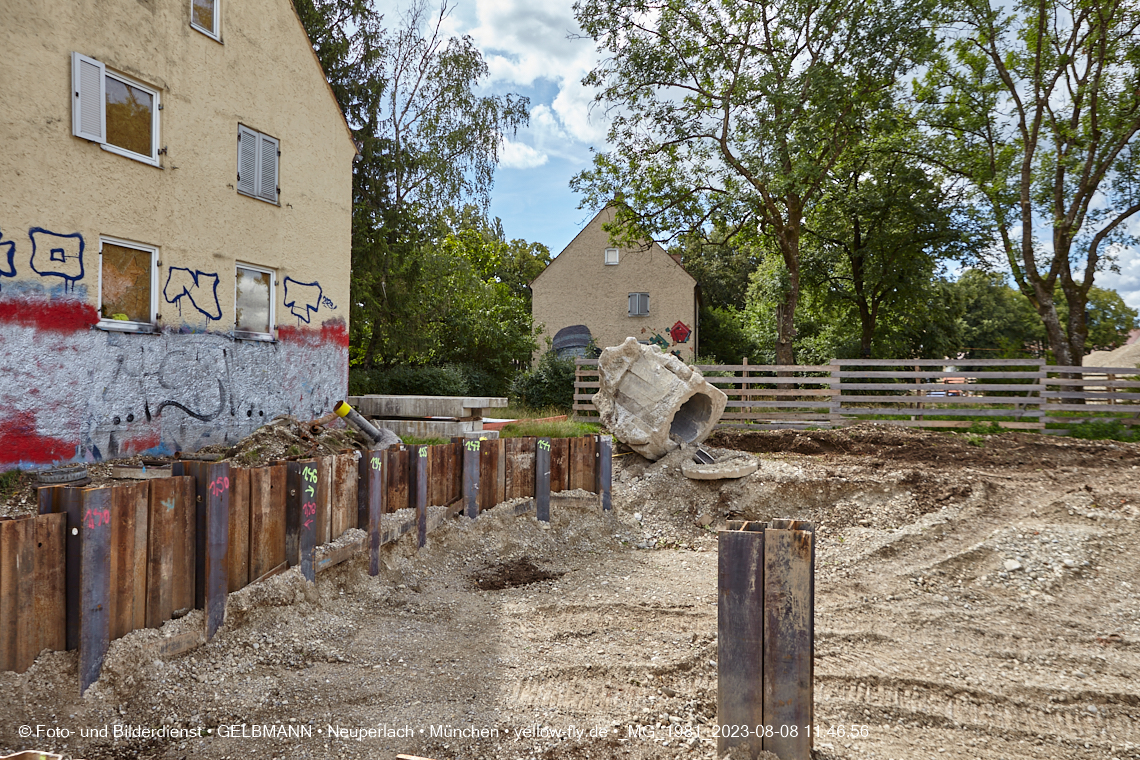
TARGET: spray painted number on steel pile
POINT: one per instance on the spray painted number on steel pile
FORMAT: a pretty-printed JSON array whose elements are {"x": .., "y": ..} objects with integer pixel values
[{"x": 309, "y": 507}]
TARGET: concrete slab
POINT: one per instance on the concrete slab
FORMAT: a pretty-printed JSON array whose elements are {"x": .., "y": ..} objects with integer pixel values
[
  {"x": 413, "y": 407},
  {"x": 723, "y": 470},
  {"x": 431, "y": 428}
]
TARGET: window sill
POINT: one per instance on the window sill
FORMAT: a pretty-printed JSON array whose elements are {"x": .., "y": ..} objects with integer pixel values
[
  {"x": 259, "y": 198},
  {"x": 133, "y": 156},
  {"x": 116, "y": 325},
  {"x": 216, "y": 38},
  {"x": 254, "y": 336}
]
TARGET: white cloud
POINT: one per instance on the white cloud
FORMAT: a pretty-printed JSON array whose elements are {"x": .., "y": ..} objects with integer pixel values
[{"x": 516, "y": 155}]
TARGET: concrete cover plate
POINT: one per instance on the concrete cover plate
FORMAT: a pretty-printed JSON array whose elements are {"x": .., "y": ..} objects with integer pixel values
[{"x": 729, "y": 468}]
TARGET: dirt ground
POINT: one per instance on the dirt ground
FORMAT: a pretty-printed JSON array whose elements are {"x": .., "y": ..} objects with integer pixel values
[{"x": 973, "y": 601}]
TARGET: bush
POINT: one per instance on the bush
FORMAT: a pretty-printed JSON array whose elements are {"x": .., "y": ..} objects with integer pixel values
[
  {"x": 548, "y": 383},
  {"x": 1100, "y": 430}
]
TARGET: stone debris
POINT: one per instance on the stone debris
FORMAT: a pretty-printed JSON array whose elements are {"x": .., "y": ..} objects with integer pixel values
[
  {"x": 653, "y": 402},
  {"x": 736, "y": 467}
]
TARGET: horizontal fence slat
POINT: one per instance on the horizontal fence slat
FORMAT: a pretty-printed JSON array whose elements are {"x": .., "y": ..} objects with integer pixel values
[
  {"x": 781, "y": 392},
  {"x": 1100, "y": 370},
  {"x": 962, "y": 387},
  {"x": 1108, "y": 395},
  {"x": 856, "y": 411},
  {"x": 957, "y": 424},
  {"x": 1061, "y": 382},
  {"x": 772, "y": 416},
  {"x": 985, "y": 375},
  {"x": 702, "y": 368},
  {"x": 1126, "y": 421},
  {"x": 1121, "y": 408},
  {"x": 789, "y": 425},
  {"x": 942, "y": 399},
  {"x": 770, "y": 380},
  {"x": 938, "y": 362},
  {"x": 780, "y": 404}
]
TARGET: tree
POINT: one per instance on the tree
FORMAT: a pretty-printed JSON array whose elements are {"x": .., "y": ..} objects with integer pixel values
[
  {"x": 738, "y": 110},
  {"x": 428, "y": 142},
  {"x": 882, "y": 230},
  {"x": 996, "y": 322},
  {"x": 1039, "y": 109}
]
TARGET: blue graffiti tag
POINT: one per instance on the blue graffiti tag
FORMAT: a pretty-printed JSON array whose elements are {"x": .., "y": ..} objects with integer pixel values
[
  {"x": 305, "y": 298},
  {"x": 327, "y": 303},
  {"x": 201, "y": 288},
  {"x": 59, "y": 255},
  {"x": 7, "y": 252}
]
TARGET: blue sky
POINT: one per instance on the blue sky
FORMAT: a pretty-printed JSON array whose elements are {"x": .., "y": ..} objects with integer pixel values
[{"x": 533, "y": 49}]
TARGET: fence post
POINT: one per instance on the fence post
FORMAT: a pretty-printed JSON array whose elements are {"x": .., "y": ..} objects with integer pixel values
[
  {"x": 603, "y": 472},
  {"x": 542, "y": 479},
  {"x": 834, "y": 411},
  {"x": 95, "y": 580},
  {"x": 471, "y": 477},
  {"x": 217, "y": 545}
]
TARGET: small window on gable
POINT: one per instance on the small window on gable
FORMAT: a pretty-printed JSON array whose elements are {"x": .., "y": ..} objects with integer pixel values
[
  {"x": 611, "y": 256},
  {"x": 639, "y": 304},
  {"x": 254, "y": 302},
  {"x": 258, "y": 157},
  {"x": 127, "y": 285},
  {"x": 204, "y": 17},
  {"x": 114, "y": 110}
]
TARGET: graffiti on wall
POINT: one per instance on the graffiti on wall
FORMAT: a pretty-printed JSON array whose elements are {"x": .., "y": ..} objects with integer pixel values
[
  {"x": 302, "y": 298},
  {"x": 199, "y": 288},
  {"x": 57, "y": 255},
  {"x": 7, "y": 258}
]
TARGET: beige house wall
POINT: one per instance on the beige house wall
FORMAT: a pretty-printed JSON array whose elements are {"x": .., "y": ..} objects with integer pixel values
[
  {"x": 81, "y": 392},
  {"x": 578, "y": 287},
  {"x": 262, "y": 74}
]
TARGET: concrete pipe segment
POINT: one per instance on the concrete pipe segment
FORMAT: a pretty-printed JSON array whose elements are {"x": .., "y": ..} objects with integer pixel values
[{"x": 653, "y": 402}]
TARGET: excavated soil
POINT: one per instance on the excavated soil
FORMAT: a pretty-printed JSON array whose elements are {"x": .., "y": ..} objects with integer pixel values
[{"x": 971, "y": 602}]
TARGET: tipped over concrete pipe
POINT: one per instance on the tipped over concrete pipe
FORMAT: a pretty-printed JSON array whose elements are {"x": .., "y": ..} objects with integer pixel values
[{"x": 654, "y": 402}]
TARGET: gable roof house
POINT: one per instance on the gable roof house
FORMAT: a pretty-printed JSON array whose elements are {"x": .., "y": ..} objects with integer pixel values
[
  {"x": 593, "y": 289},
  {"x": 175, "y": 227}
]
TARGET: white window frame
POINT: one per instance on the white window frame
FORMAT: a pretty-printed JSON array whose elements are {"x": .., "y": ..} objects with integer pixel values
[
  {"x": 614, "y": 262},
  {"x": 215, "y": 35},
  {"x": 118, "y": 325},
  {"x": 260, "y": 139},
  {"x": 101, "y": 139},
  {"x": 639, "y": 313},
  {"x": 272, "y": 334}
]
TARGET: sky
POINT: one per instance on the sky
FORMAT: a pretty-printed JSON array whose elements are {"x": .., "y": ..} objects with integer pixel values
[{"x": 535, "y": 49}]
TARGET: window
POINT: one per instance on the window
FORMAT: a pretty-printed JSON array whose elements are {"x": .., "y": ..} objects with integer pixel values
[
  {"x": 114, "y": 110},
  {"x": 204, "y": 17},
  {"x": 258, "y": 155},
  {"x": 127, "y": 285},
  {"x": 611, "y": 256},
  {"x": 254, "y": 302},
  {"x": 639, "y": 304}
]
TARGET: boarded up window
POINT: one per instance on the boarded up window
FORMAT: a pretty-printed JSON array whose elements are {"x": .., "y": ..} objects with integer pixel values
[
  {"x": 126, "y": 283},
  {"x": 254, "y": 300}
]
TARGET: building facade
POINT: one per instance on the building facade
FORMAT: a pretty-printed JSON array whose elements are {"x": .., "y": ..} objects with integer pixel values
[
  {"x": 175, "y": 227},
  {"x": 616, "y": 293}
]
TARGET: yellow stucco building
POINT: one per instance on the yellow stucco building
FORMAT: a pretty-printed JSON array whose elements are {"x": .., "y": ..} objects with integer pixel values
[
  {"x": 615, "y": 293},
  {"x": 175, "y": 226}
]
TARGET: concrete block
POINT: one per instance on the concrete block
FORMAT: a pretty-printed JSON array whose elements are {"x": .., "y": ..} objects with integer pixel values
[
  {"x": 412, "y": 407},
  {"x": 431, "y": 428},
  {"x": 652, "y": 401}
]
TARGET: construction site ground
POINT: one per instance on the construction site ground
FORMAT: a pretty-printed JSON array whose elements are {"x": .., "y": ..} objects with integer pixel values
[{"x": 976, "y": 597}]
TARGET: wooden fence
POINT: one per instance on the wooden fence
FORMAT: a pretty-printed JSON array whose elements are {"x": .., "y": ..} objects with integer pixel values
[
  {"x": 98, "y": 563},
  {"x": 1024, "y": 394}
]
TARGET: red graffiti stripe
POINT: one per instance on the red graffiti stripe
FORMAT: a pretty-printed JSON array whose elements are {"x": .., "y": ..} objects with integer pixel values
[
  {"x": 19, "y": 442},
  {"x": 332, "y": 331},
  {"x": 64, "y": 316}
]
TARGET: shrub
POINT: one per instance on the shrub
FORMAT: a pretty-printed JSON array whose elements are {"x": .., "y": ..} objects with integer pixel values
[
  {"x": 1098, "y": 430},
  {"x": 549, "y": 383}
]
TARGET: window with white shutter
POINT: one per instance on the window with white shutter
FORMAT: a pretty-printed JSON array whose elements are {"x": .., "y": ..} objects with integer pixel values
[
  {"x": 639, "y": 304},
  {"x": 258, "y": 158},
  {"x": 114, "y": 110},
  {"x": 88, "y": 98}
]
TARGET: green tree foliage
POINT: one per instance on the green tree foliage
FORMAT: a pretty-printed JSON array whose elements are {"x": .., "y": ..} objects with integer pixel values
[
  {"x": 428, "y": 142},
  {"x": 1037, "y": 104},
  {"x": 738, "y": 110},
  {"x": 883, "y": 230}
]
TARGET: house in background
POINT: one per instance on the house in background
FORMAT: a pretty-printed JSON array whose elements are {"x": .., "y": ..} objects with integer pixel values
[
  {"x": 593, "y": 289},
  {"x": 175, "y": 227}
]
